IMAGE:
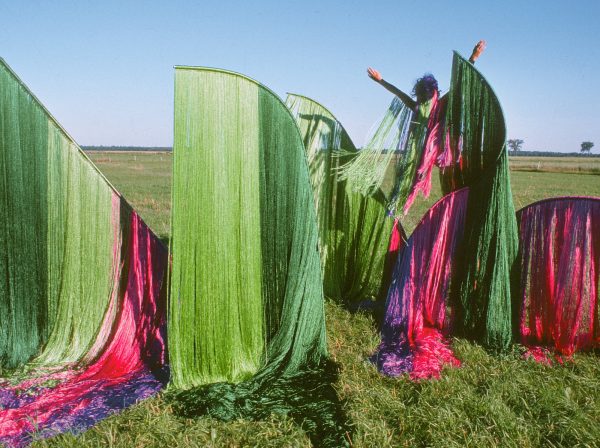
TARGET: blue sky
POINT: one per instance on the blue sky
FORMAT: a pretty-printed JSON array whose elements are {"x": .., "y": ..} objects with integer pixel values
[{"x": 105, "y": 69}]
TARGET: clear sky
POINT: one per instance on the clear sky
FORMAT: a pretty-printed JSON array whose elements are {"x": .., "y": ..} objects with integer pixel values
[{"x": 105, "y": 68}]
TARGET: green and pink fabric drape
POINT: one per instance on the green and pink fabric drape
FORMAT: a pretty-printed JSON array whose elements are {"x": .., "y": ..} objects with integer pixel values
[
  {"x": 458, "y": 272},
  {"x": 82, "y": 316},
  {"x": 271, "y": 206}
]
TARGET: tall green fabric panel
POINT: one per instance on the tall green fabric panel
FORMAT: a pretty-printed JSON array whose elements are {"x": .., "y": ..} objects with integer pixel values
[
  {"x": 58, "y": 235},
  {"x": 246, "y": 313}
]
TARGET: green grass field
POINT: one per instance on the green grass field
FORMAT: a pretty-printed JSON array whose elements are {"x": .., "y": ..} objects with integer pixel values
[{"x": 490, "y": 401}]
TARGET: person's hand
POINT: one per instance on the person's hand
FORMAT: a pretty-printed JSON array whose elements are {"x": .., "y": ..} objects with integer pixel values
[
  {"x": 374, "y": 74},
  {"x": 477, "y": 50}
]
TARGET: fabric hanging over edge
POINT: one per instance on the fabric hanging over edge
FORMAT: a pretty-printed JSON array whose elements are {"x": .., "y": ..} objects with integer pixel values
[{"x": 418, "y": 312}]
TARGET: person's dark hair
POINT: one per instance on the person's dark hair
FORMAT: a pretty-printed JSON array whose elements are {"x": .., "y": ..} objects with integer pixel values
[{"x": 425, "y": 87}]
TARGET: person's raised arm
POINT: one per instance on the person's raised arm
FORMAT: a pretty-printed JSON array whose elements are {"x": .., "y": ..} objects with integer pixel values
[
  {"x": 406, "y": 99},
  {"x": 477, "y": 50}
]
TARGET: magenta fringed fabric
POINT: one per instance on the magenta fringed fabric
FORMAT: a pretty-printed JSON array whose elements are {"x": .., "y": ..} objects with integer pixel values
[
  {"x": 130, "y": 363},
  {"x": 559, "y": 285},
  {"x": 560, "y": 275},
  {"x": 416, "y": 314}
]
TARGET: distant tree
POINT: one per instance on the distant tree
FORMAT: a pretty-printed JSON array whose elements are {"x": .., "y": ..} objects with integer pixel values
[
  {"x": 515, "y": 144},
  {"x": 586, "y": 147}
]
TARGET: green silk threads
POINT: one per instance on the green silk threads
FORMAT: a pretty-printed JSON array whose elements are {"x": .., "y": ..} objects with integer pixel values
[
  {"x": 475, "y": 123},
  {"x": 242, "y": 200},
  {"x": 354, "y": 229},
  {"x": 57, "y": 234},
  {"x": 217, "y": 328}
]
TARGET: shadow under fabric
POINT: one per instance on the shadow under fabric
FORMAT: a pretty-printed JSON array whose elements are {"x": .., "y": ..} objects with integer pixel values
[
  {"x": 82, "y": 318},
  {"x": 354, "y": 229},
  {"x": 246, "y": 313}
]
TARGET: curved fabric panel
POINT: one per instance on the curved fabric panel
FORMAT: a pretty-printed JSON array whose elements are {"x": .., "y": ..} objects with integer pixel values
[
  {"x": 81, "y": 317},
  {"x": 354, "y": 229},
  {"x": 557, "y": 300},
  {"x": 246, "y": 289},
  {"x": 560, "y": 274},
  {"x": 475, "y": 145},
  {"x": 58, "y": 234},
  {"x": 216, "y": 233},
  {"x": 417, "y": 312}
]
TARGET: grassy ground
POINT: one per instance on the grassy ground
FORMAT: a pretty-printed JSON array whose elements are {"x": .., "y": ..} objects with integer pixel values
[{"x": 490, "y": 401}]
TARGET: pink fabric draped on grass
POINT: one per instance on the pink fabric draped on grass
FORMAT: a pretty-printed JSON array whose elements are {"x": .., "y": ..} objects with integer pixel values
[
  {"x": 416, "y": 312},
  {"x": 560, "y": 276},
  {"x": 558, "y": 290},
  {"x": 128, "y": 368},
  {"x": 558, "y": 285}
]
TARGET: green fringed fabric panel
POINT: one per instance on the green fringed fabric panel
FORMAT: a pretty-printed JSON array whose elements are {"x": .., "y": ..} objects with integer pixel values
[
  {"x": 82, "y": 237},
  {"x": 217, "y": 328},
  {"x": 56, "y": 233},
  {"x": 243, "y": 214},
  {"x": 475, "y": 125},
  {"x": 354, "y": 229}
]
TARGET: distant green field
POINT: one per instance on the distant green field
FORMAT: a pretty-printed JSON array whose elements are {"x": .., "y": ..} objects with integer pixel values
[
  {"x": 581, "y": 165},
  {"x": 490, "y": 401},
  {"x": 145, "y": 181}
]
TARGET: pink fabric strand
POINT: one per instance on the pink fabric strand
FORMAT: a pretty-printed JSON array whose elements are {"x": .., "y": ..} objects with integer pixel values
[{"x": 432, "y": 150}]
